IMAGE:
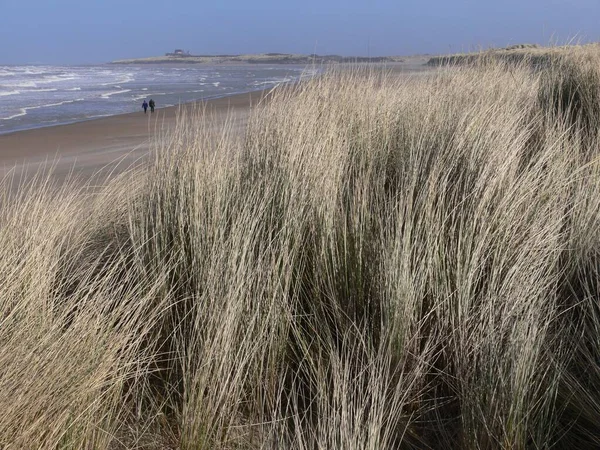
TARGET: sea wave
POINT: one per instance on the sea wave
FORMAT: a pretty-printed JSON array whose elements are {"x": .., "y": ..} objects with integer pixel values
[
  {"x": 110, "y": 94},
  {"x": 272, "y": 82},
  {"x": 23, "y": 111},
  {"x": 36, "y": 83},
  {"x": 58, "y": 78},
  {"x": 35, "y": 71},
  {"x": 40, "y": 90},
  {"x": 21, "y": 84},
  {"x": 125, "y": 78},
  {"x": 6, "y": 94},
  {"x": 98, "y": 116},
  {"x": 66, "y": 102}
]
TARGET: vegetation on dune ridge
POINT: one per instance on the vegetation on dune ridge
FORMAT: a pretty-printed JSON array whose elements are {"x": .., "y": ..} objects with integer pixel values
[
  {"x": 378, "y": 262},
  {"x": 532, "y": 54}
]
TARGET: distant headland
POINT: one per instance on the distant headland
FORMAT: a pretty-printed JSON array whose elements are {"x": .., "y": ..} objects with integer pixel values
[{"x": 185, "y": 57}]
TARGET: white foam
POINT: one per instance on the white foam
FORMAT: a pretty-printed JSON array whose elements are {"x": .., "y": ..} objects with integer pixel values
[
  {"x": 73, "y": 89},
  {"x": 27, "y": 84},
  {"x": 110, "y": 94},
  {"x": 45, "y": 80},
  {"x": 98, "y": 115},
  {"x": 41, "y": 90},
  {"x": 216, "y": 84},
  {"x": 126, "y": 78},
  {"x": 58, "y": 79},
  {"x": 66, "y": 102},
  {"x": 272, "y": 82},
  {"x": 23, "y": 112},
  {"x": 6, "y": 94},
  {"x": 30, "y": 71}
]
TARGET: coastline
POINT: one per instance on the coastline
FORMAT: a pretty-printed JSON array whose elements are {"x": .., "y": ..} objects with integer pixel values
[
  {"x": 109, "y": 144},
  {"x": 90, "y": 148},
  {"x": 206, "y": 99},
  {"x": 259, "y": 58}
]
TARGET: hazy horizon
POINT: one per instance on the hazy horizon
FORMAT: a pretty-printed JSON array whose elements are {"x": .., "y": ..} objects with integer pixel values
[{"x": 73, "y": 32}]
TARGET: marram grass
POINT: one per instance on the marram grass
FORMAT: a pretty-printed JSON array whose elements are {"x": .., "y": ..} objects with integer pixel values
[{"x": 377, "y": 262}]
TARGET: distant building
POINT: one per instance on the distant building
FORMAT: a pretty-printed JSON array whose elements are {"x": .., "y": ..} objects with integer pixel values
[{"x": 178, "y": 52}]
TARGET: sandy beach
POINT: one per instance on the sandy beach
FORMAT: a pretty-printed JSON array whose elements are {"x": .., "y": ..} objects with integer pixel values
[
  {"x": 105, "y": 145},
  {"x": 112, "y": 144}
]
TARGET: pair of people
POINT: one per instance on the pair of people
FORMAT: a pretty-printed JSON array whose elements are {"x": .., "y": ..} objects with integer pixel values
[{"x": 151, "y": 104}]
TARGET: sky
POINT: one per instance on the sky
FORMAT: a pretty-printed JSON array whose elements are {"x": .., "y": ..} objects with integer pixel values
[{"x": 93, "y": 31}]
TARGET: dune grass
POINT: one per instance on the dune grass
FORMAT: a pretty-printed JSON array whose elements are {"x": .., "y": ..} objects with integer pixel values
[{"x": 377, "y": 262}]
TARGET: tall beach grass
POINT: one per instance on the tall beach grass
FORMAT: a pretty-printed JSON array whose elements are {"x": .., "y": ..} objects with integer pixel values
[{"x": 375, "y": 262}]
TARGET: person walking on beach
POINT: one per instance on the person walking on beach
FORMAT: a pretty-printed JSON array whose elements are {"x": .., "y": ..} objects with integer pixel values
[
  {"x": 152, "y": 105},
  {"x": 145, "y": 106}
]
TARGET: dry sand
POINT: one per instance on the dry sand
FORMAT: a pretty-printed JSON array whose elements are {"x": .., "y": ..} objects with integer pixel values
[{"x": 103, "y": 146}]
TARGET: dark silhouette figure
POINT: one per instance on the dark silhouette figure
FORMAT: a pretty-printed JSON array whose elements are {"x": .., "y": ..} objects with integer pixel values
[
  {"x": 152, "y": 105},
  {"x": 145, "y": 106}
]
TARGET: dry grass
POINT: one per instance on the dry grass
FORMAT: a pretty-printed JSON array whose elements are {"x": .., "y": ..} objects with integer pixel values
[{"x": 378, "y": 262}]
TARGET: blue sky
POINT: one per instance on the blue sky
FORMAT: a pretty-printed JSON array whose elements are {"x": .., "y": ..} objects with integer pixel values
[{"x": 87, "y": 31}]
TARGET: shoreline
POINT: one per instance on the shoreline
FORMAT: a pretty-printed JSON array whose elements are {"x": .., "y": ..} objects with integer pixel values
[
  {"x": 90, "y": 148},
  {"x": 209, "y": 98},
  {"x": 107, "y": 145}
]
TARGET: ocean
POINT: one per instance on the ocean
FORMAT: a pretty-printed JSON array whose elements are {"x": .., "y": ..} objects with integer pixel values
[{"x": 40, "y": 96}]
